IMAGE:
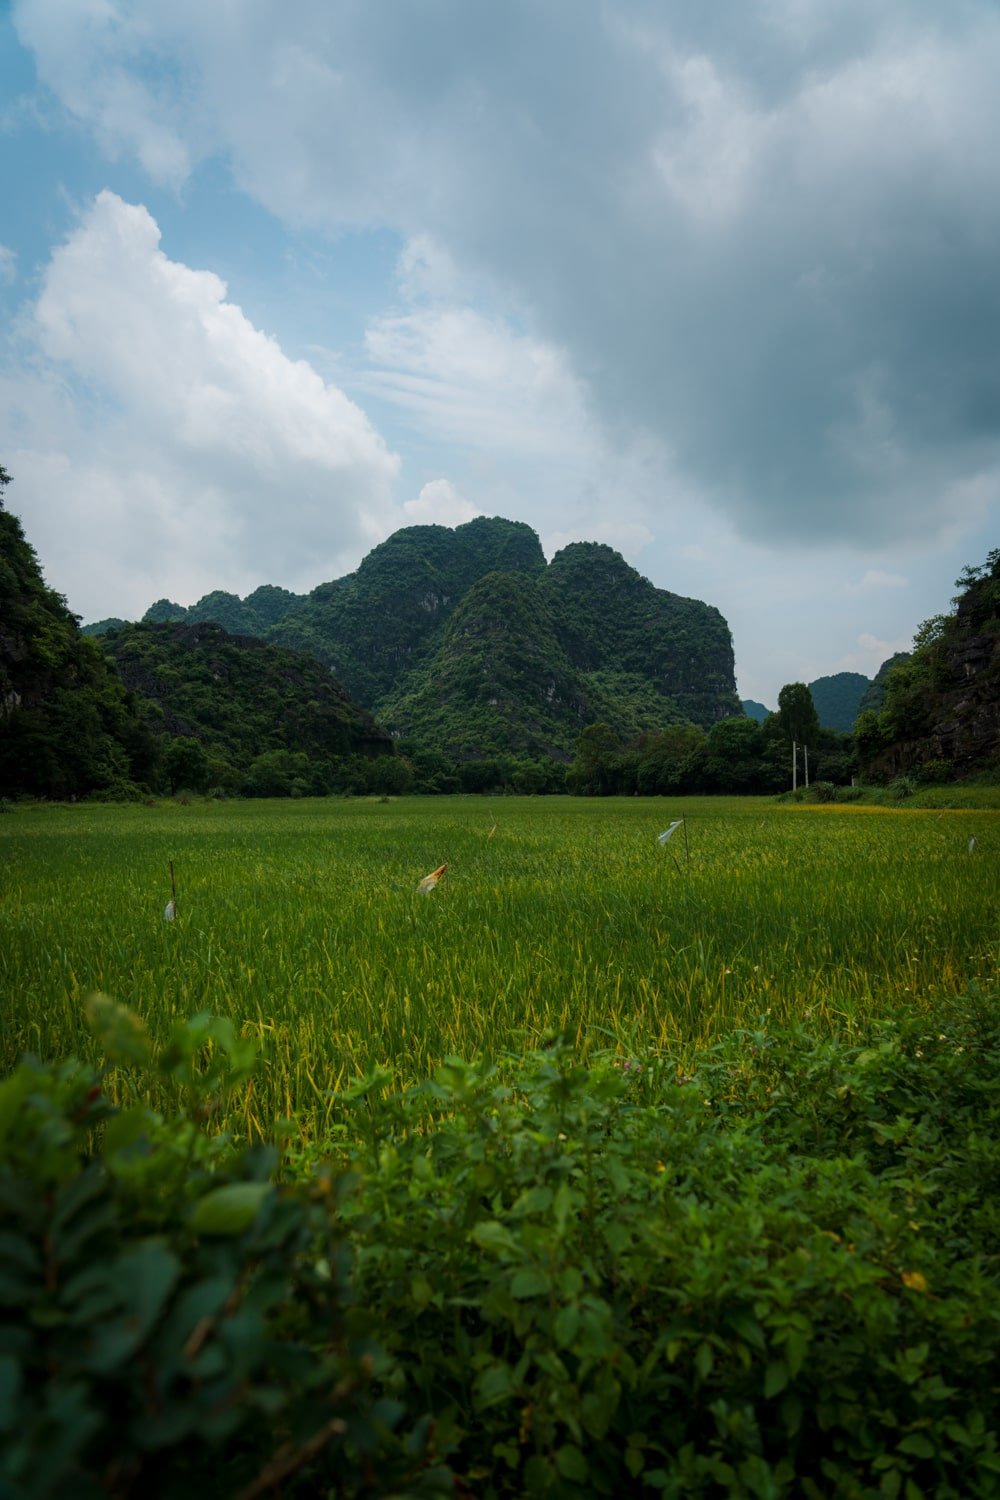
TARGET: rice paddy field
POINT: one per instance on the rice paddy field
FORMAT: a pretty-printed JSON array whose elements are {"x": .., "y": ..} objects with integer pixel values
[{"x": 302, "y": 922}]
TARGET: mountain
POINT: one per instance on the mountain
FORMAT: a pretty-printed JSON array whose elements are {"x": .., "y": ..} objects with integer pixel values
[
  {"x": 610, "y": 619},
  {"x": 838, "y": 698},
  {"x": 438, "y": 622},
  {"x": 374, "y": 626},
  {"x": 68, "y": 728},
  {"x": 874, "y": 694},
  {"x": 755, "y": 710},
  {"x": 940, "y": 715},
  {"x": 499, "y": 678},
  {"x": 238, "y": 696}
]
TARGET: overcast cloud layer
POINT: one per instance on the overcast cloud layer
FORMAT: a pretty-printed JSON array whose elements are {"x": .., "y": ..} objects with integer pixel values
[{"x": 713, "y": 280}]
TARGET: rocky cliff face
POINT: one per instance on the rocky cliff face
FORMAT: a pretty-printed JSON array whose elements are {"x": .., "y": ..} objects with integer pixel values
[
  {"x": 966, "y": 728},
  {"x": 942, "y": 703}
]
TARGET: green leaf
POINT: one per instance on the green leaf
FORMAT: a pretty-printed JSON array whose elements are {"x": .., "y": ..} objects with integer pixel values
[
  {"x": 567, "y": 1325},
  {"x": 538, "y": 1475},
  {"x": 775, "y": 1378},
  {"x": 917, "y": 1444},
  {"x": 571, "y": 1463},
  {"x": 13, "y": 1092},
  {"x": 704, "y": 1360},
  {"x": 490, "y": 1234},
  {"x": 123, "y": 1130},
  {"x": 496, "y": 1383},
  {"x": 421, "y": 1292},
  {"x": 229, "y": 1210},
  {"x": 634, "y": 1461},
  {"x": 530, "y": 1281}
]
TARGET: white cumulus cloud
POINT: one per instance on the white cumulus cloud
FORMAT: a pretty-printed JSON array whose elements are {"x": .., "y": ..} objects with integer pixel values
[
  {"x": 187, "y": 436},
  {"x": 438, "y": 504}
]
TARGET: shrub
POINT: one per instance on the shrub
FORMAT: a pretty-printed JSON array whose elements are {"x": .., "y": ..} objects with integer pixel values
[
  {"x": 935, "y": 773},
  {"x": 765, "y": 1277},
  {"x": 824, "y": 791},
  {"x": 170, "y": 1321},
  {"x": 770, "y": 1273}
]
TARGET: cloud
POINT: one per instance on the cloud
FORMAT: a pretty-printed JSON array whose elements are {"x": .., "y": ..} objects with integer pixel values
[
  {"x": 517, "y": 423},
  {"x": 764, "y": 235},
  {"x": 626, "y": 537},
  {"x": 871, "y": 653},
  {"x": 438, "y": 504},
  {"x": 187, "y": 437},
  {"x": 8, "y": 264},
  {"x": 876, "y": 578}
]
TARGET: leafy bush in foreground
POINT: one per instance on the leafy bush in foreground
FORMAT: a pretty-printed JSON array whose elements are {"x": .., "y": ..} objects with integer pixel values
[
  {"x": 773, "y": 1272},
  {"x": 775, "y": 1276},
  {"x": 171, "y": 1323}
]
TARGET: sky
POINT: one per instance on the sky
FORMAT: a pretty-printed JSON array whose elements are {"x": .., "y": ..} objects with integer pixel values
[{"x": 714, "y": 284}]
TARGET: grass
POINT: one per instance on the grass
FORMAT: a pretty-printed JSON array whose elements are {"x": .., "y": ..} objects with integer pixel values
[{"x": 301, "y": 922}]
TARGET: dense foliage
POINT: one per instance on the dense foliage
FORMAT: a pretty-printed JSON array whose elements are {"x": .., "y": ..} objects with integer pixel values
[
  {"x": 737, "y": 756},
  {"x": 874, "y": 694},
  {"x": 67, "y": 726},
  {"x": 940, "y": 713},
  {"x": 375, "y": 625},
  {"x": 770, "y": 1270},
  {"x": 240, "y": 713},
  {"x": 170, "y": 1322},
  {"x": 611, "y": 619}
]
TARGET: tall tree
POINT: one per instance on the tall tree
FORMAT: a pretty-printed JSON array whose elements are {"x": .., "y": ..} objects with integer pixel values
[{"x": 797, "y": 714}]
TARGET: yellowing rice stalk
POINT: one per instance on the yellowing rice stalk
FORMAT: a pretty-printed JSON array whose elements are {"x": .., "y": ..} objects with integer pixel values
[{"x": 310, "y": 925}]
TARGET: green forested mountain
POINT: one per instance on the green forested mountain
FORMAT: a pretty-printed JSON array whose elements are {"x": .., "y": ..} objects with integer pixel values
[
  {"x": 874, "y": 694},
  {"x": 940, "y": 714},
  {"x": 612, "y": 620},
  {"x": 464, "y": 640},
  {"x": 499, "y": 678},
  {"x": 838, "y": 698},
  {"x": 374, "y": 626},
  {"x": 67, "y": 725},
  {"x": 754, "y": 710},
  {"x": 238, "y": 697}
]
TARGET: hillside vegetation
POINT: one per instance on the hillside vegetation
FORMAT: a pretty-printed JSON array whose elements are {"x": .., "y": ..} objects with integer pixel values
[
  {"x": 67, "y": 725},
  {"x": 239, "y": 699},
  {"x": 466, "y": 642},
  {"x": 940, "y": 710}
]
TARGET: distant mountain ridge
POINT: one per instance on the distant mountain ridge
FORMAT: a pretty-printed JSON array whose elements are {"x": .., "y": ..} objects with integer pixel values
[
  {"x": 837, "y": 698},
  {"x": 465, "y": 639}
]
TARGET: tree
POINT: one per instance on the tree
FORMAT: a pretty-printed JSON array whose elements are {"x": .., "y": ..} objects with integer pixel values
[
  {"x": 67, "y": 726},
  {"x": 732, "y": 759},
  {"x": 596, "y": 751},
  {"x": 186, "y": 765},
  {"x": 797, "y": 714}
]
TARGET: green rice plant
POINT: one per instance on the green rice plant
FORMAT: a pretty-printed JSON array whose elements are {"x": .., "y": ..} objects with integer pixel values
[{"x": 302, "y": 924}]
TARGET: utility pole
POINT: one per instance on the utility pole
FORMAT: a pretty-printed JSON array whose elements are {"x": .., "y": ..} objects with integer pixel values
[
  {"x": 795, "y": 766},
  {"x": 805, "y": 752}
]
